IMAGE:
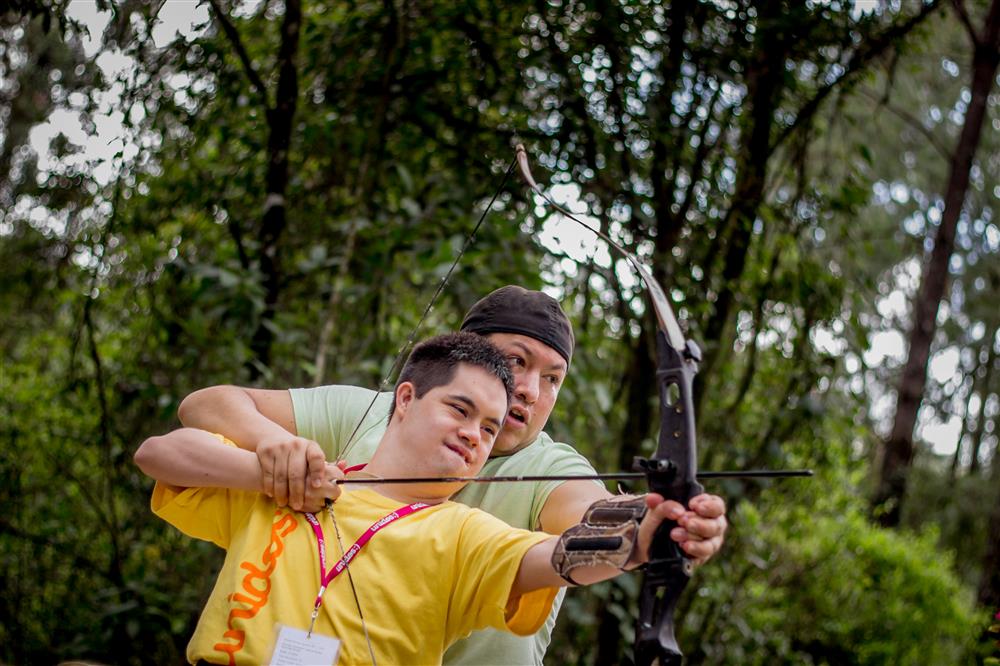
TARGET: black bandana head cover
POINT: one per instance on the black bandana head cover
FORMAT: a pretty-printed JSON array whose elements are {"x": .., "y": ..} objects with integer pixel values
[{"x": 514, "y": 309}]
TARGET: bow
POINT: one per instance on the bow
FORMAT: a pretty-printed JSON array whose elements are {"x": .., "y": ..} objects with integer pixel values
[{"x": 671, "y": 471}]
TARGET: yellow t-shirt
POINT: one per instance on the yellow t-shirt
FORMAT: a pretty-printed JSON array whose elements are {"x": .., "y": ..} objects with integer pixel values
[
  {"x": 331, "y": 414},
  {"x": 423, "y": 581}
]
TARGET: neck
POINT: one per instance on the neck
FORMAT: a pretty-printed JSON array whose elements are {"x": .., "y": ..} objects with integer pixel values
[
  {"x": 410, "y": 496},
  {"x": 382, "y": 467}
]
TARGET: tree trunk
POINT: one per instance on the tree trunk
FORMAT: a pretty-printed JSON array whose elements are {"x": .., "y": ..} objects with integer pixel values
[
  {"x": 279, "y": 119},
  {"x": 979, "y": 375},
  {"x": 393, "y": 51},
  {"x": 989, "y": 585},
  {"x": 665, "y": 137},
  {"x": 899, "y": 450},
  {"x": 765, "y": 83},
  {"x": 967, "y": 422}
]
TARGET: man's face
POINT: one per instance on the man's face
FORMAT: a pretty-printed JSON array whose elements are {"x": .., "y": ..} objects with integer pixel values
[
  {"x": 453, "y": 428},
  {"x": 539, "y": 371}
]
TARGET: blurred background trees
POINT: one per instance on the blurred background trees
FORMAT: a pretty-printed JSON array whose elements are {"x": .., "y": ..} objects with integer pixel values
[{"x": 269, "y": 192}]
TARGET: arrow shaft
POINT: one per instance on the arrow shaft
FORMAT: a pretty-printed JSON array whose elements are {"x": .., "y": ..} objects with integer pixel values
[{"x": 620, "y": 476}]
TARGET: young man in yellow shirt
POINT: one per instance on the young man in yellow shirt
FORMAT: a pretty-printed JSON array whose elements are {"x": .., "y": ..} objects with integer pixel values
[
  {"x": 295, "y": 431},
  {"x": 427, "y": 571}
]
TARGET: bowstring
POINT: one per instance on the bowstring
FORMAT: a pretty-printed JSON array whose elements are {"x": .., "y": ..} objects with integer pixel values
[
  {"x": 350, "y": 579},
  {"x": 661, "y": 304},
  {"x": 385, "y": 381},
  {"x": 430, "y": 305}
]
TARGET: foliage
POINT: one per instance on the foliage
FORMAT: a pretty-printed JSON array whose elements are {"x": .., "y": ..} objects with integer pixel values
[
  {"x": 730, "y": 145},
  {"x": 955, "y": 507},
  {"x": 906, "y": 606}
]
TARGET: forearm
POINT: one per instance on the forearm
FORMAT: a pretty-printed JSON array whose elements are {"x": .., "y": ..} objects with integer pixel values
[
  {"x": 536, "y": 571},
  {"x": 232, "y": 411},
  {"x": 191, "y": 458},
  {"x": 566, "y": 505},
  {"x": 701, "y": 528}
]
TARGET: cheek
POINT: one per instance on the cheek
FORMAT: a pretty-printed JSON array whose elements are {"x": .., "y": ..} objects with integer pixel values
[{"x": 548, "y": 400}]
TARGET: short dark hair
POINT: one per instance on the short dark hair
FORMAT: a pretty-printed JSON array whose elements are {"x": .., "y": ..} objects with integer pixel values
[{"x": 433, "y": 363}]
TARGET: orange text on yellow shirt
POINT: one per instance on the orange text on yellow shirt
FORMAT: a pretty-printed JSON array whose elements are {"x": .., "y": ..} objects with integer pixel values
[{"x": 256, "y": 584}]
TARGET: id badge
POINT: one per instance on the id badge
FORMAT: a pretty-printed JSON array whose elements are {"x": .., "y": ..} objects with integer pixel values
[{"x": 295, "y": 647}]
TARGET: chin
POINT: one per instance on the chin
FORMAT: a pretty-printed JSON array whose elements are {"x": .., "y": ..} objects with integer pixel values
[
  {"x": 508, "y": 447},
  {"x": 452, "y": 468}
]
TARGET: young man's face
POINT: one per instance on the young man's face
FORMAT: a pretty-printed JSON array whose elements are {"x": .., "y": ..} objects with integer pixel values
[
  {"x": 452, "y": 428},
  {"x": 539, "y": 371}
]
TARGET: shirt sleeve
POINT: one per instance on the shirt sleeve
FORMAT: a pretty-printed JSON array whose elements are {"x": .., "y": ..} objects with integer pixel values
[
  {"x": 210, "y": 514},
  {"x": 562, "y": 460},
  {"x": 489, "y": 553},
  {"x": 329, "y": 414}
]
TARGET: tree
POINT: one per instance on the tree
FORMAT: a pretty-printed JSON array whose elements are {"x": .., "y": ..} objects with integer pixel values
[
  {"x": 899, "y": 449},
  {"x": 708, "y": 138}
]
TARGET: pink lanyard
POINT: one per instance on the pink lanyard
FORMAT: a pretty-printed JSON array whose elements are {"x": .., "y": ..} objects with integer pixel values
[{"x": 326, "y": 576}]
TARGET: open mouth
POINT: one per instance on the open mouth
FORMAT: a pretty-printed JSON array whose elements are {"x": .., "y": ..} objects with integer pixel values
[{"x": 518, "y": 415}]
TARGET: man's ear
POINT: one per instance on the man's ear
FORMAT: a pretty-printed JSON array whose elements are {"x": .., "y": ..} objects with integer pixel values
[{"x": 406, "y": 394}]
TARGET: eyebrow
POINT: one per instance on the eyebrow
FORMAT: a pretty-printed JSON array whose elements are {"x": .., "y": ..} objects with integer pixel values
[
  {"x": 472, "y": 405},
  {"x": 559, "y": 365}
]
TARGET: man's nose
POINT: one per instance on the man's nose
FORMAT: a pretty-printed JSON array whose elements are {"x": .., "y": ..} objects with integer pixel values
[
  {"x": 470, "y": 435},
  {"x": 527, "y": 387}
]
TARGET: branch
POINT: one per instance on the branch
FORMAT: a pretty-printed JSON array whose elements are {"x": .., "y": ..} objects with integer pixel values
[
  {"x": 963, "y": 16},
  {"x": 234, "y": 37},
  {"x": 701, "y": 153},
  {"x": 913, "y": 122},
  {"x": 855, "y": 65}
]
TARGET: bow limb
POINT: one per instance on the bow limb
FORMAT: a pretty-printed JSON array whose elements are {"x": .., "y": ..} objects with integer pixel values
[{"x": 661, "y": 306}]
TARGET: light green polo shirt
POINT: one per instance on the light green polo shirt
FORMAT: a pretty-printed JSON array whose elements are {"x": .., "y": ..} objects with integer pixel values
[{"x": 329, "y": 415}]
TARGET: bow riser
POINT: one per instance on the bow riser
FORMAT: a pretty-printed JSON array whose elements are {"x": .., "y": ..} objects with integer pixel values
[
  {"x": 661, "y": 588},
  {"x": 672, "y": 473},
  {"x": 673, "y": 469}
]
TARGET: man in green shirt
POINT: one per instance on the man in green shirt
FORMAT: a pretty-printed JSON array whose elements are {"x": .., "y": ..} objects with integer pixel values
[{"x": 294, "y": 432}]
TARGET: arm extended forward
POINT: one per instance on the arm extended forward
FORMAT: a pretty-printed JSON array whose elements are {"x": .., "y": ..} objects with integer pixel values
[
  {"x": 193, "y": 458},
  {"x": 538, "y": 571}
]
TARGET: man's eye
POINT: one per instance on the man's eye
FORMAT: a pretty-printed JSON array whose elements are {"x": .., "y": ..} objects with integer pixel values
[
  {"x": 459, "y": 409},
  {"x": 516, "y": 361}
]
